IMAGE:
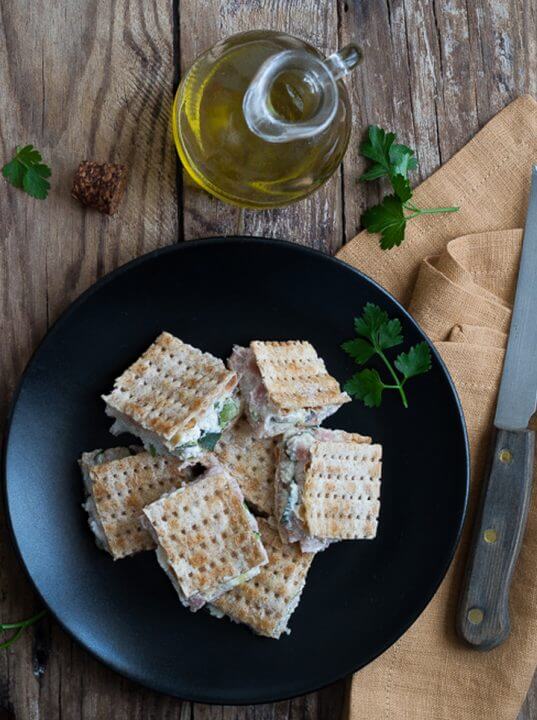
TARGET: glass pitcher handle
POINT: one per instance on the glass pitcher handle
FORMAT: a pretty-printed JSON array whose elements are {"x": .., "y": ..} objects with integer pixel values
[
  {"x": 322, "y": 75},
  {"x": 341, "y": 63}
]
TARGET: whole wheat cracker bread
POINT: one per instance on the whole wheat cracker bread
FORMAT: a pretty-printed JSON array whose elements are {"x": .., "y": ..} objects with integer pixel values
[
  {"x": 251, "y": 462},
  {"x": 122, "y": 488},
  {"x": 207, "y": 534},
  {"x": 169, "y": 387},
  {"x": 340, "y": 497},
  {"x": 266, "y": 602},
  {"x": 98, "y": 457},
  {"x": 281, "y": 487},
  {"x": 295, "y": 376}
]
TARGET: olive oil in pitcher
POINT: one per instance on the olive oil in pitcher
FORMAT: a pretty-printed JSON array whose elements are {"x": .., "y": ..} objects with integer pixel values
[{"x": 262, "y": 119}]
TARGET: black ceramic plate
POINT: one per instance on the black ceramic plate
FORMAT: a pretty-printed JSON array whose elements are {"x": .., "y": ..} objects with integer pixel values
[{"x": 360, "y": 596}]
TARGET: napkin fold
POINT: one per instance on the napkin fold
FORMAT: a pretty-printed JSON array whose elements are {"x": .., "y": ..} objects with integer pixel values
[{"x": 457, "y": 275}]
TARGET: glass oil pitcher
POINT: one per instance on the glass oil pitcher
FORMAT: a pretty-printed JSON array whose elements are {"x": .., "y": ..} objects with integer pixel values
[{"x": 262, "y": 119}]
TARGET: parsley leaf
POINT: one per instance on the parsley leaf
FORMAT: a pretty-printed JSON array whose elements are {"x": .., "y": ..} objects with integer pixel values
[
  {"x": 14, "y": 173},
  {"x": 27, "y": 172},
  {"x": 359, "y": 349},
  {"x": 367, "y": 386},
  {"x": 393, "y": 161},
  {"x": 377, "y": 148},
  {"x": 388, "y": 219},
  {"x": 414, "y": 362},
  {"x": 402, "y": 159},
  {"x": 388, "y": 159},
  {"x": 390, "y": 334},
  {"x": 402, "y": 188},
  {"x": 373, "y": 318},
  {"x": 375, "y": 325},
  {"x": 377, "y": 170},
  {"x": 377, "y": 333}
]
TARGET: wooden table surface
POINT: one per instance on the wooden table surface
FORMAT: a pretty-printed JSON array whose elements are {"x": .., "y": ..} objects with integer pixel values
[{"x": 95, "y": 79}]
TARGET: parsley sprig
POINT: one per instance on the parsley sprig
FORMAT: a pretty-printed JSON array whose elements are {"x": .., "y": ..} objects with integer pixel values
[
  {"x": 377, "y": 333},
  {"x": 19, "y": 628},
  {"x": 28, "y": 172},
  {"x": 394, "y": 161}
]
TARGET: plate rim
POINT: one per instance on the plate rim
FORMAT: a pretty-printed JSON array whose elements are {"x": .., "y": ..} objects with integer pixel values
[{"x": 208, "y": 242}]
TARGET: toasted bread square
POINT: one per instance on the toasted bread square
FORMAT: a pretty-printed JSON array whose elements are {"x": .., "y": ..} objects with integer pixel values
[
  {"x": 118, "y": 492},
  {"x": 296, "y": 454},
  {"x": 167, "y": 392},
  {"x": 100, "y": 457},
  {"x": 295, "y": 376},
  {"x": 208, "y": 540},
  {"x": 266, "y": 602},
  {"x": 341, "y": 491},
  {"x": 251, "y": 462}
]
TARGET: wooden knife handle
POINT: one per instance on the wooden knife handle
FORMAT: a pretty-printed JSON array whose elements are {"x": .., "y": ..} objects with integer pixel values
[{"x": 483, "y": 616}]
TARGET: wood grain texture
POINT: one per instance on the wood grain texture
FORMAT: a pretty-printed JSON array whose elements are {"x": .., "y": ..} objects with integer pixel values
[
  {"x": 94, "y": 80},
  {"x": 435, "y": 71},
  {"x": 79, "y": 80}
]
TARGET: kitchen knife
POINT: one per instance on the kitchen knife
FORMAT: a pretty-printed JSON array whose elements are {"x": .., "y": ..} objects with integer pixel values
[{"x": 483, "y": 616}]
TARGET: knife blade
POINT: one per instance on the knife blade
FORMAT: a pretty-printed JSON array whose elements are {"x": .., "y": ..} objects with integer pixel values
[
  {"x": 483, "y": 614},
  {"x": 517, "y": 399}
]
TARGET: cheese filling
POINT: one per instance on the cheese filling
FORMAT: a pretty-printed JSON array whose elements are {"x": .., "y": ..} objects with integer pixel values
[
  {"x": 291, "y": 476},
  {"x": 184, "y": 444}
]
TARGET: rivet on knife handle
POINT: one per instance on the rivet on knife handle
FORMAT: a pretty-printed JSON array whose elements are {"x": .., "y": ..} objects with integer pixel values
[{"x": 483, "y": 616}]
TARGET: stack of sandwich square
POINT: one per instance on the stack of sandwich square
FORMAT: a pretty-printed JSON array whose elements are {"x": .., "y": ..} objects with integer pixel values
[{"x": 237, "y": 486}]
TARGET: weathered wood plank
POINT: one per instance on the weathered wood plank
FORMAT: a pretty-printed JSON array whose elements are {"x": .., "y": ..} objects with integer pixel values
[
  {"x": 397, "y": 87},
  {"x": 503, "y": 36},
  {"x": 434, "y": 72},
  {"x": 326, "y": 704},
  {"x": 79, "y": 80}
]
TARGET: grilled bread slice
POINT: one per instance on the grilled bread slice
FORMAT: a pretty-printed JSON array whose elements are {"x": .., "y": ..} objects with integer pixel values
[
  {"x": 266, "y": 602},
  {"x": 284, "y": 385},
  {"x": 117, "y": 492},
  {"x": 175, "y": 398},
  {"x": 327, "y": 487},
  {"x": 208, "y": 541},
  {"x": 251, "y": 462}
]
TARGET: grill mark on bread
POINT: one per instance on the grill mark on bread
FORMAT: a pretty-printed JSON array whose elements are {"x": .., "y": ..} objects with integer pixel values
[
  {"x": 170, "y": 387},
  {"x": 252, "y": 463},
  {"x": 266, "y": 602},
  {"x": 205, "y": 555},
  {"x": 340, "y": 498},
  {"x": 295, "y": 376},
  {"x": 121, "y": 489}
]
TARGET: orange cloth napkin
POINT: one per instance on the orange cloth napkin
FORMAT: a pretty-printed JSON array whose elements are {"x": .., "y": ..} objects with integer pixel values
[{"x": 456, "y": 273}]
